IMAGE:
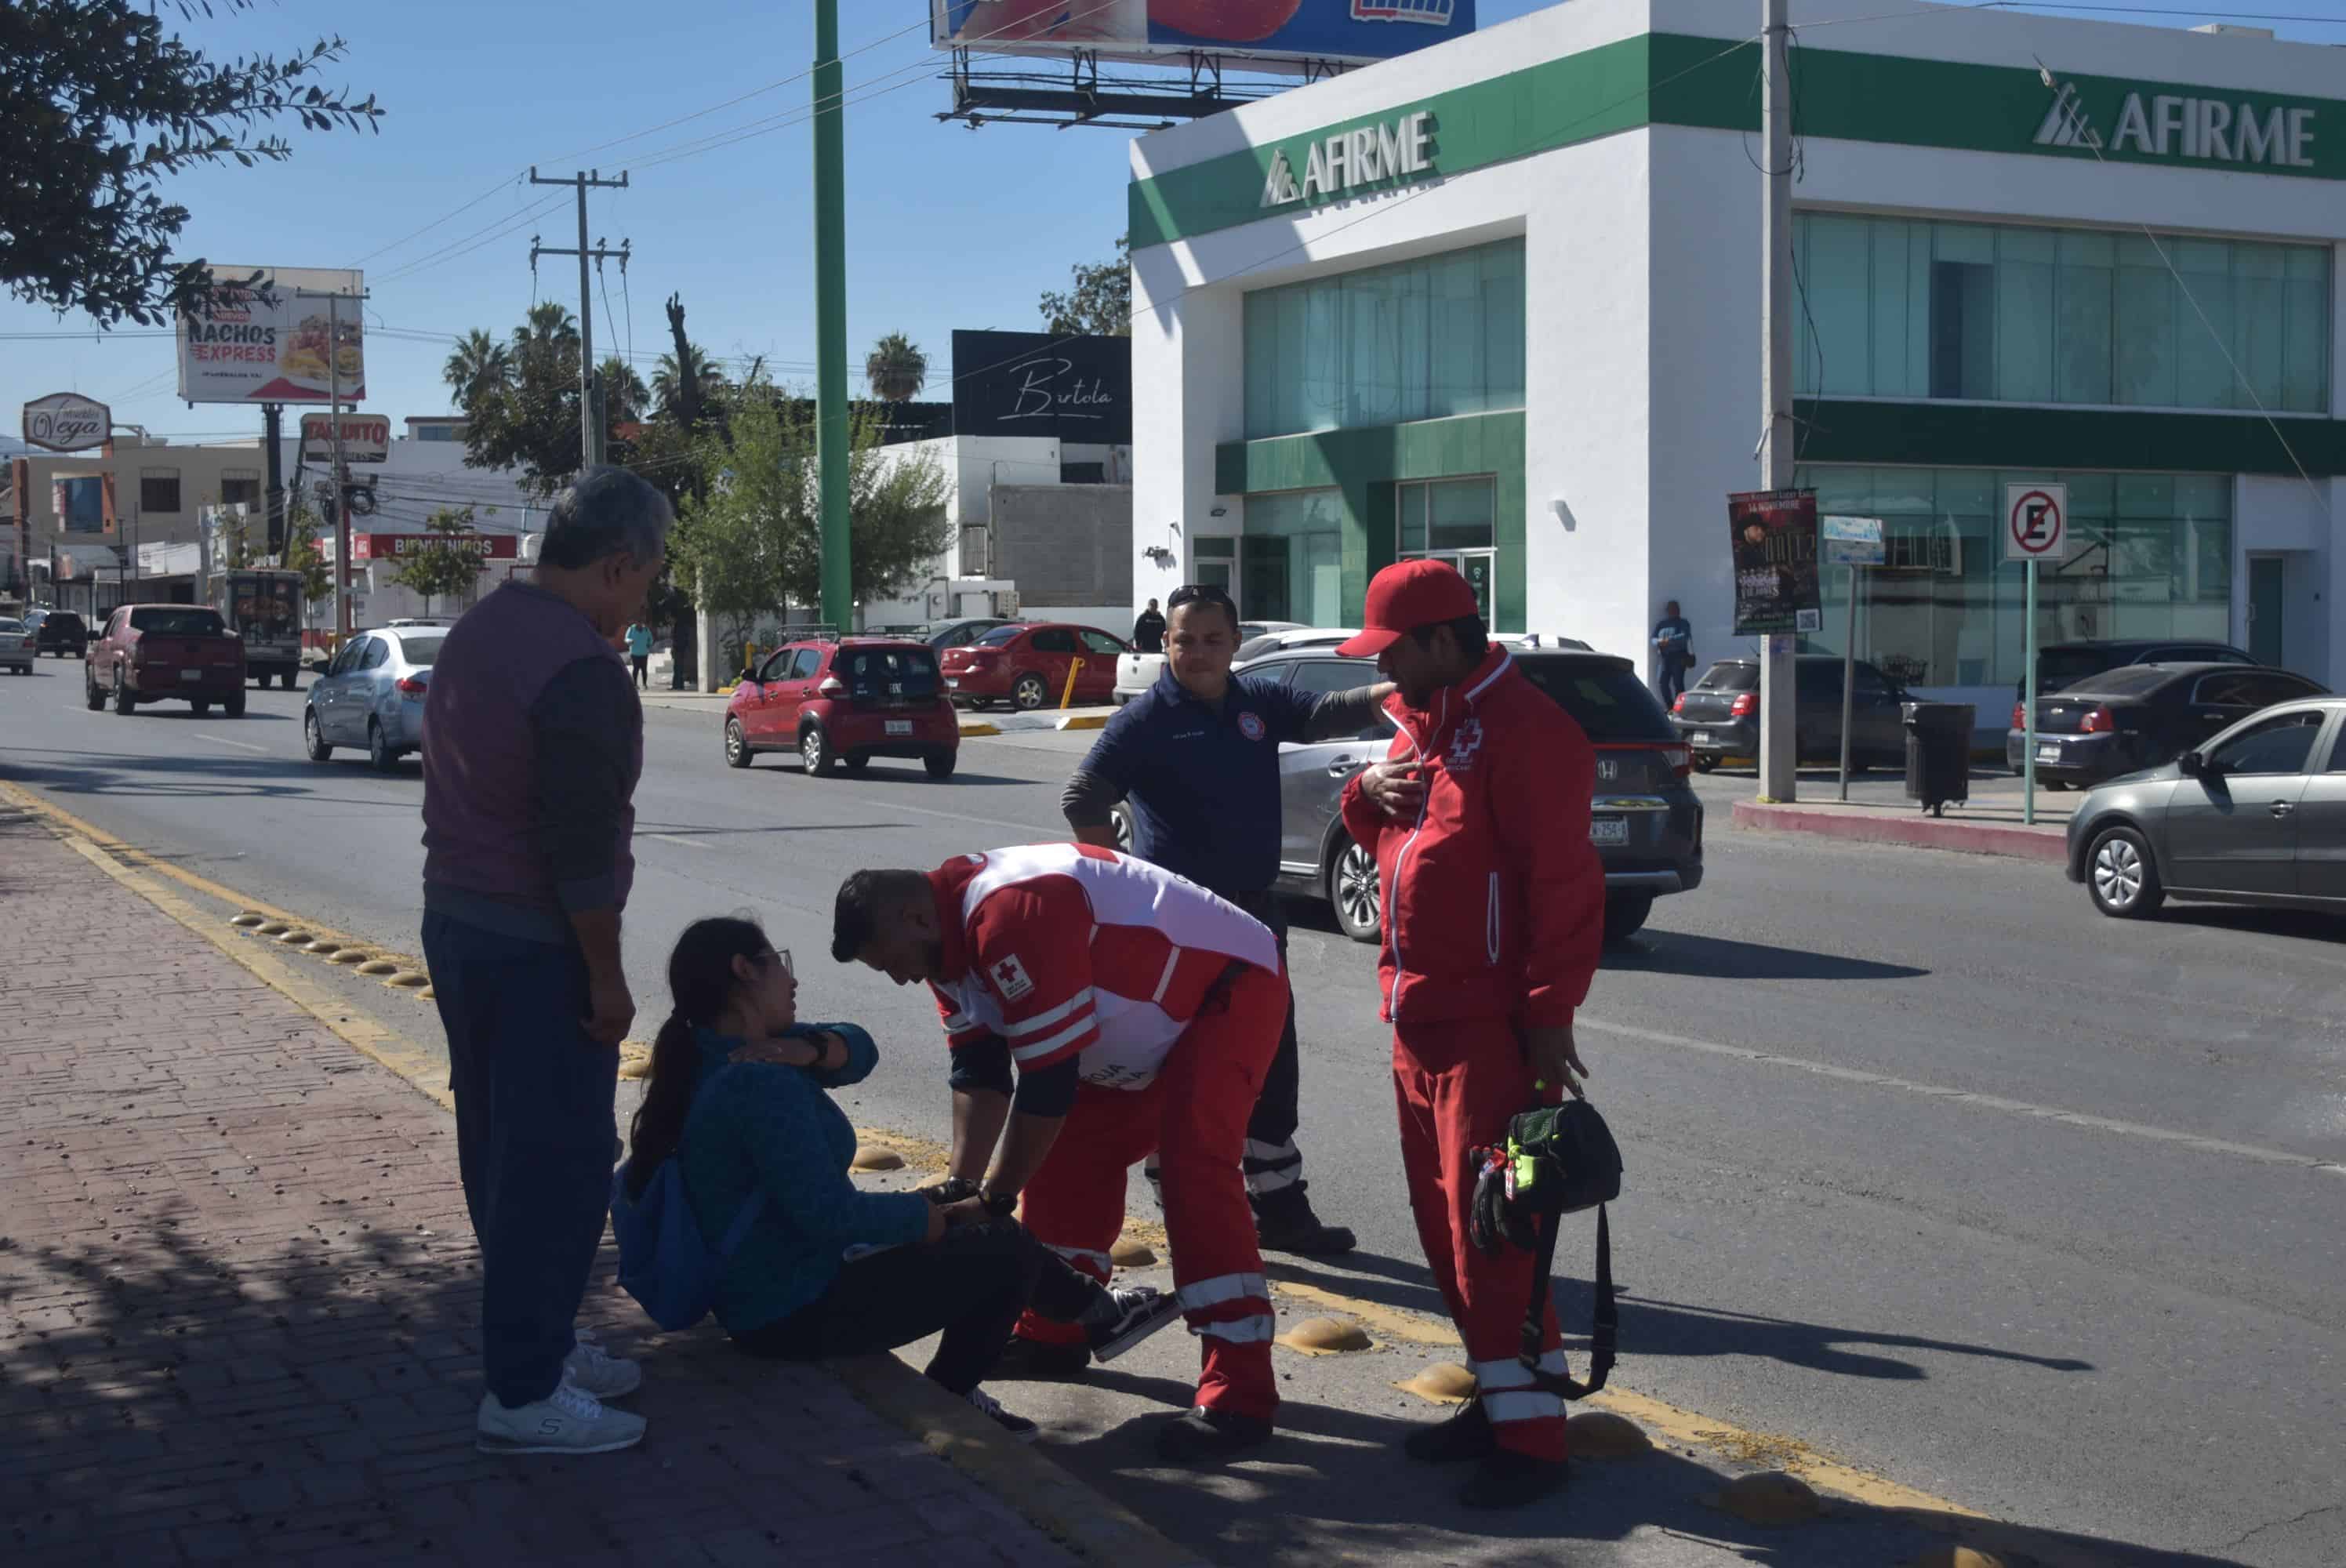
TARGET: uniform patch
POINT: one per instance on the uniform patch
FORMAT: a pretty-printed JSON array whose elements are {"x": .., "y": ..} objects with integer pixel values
[
  {"x": 1011, "y": 979},
  {"x": 1251, "y": 726},
  {"x": 1464, "y": 745}
]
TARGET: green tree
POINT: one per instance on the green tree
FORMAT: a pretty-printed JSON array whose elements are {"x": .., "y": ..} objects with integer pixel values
[
  {"x": 528, "y": 419},
  {"x": 302, "y": 553},
  {"x": 1101, "y": 302},
  {"x": 449, "y": 564},
  {"x": 479, "y": 365},
  {"x": 98, "y": 108},
  {"x": 896, "y": 370}
]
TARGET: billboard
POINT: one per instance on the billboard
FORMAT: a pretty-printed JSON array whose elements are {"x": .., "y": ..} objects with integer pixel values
[
  {"x": 264, "y": 336},
  {"x": 66, "y": 422},
  {"x": 366, "y": 438},
  {"x": 1278, "y": 32},
  {"x": 1074, "y": 388},
  {"x": 403, "y": 547},
  {"x": 1772, "y": 534}
]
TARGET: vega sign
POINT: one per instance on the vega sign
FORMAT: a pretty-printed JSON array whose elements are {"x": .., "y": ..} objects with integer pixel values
[
  {"x": 2239, "y": 129},
  {"x": 1373, "y": 155},
  {"x": 66, "y": 422}
]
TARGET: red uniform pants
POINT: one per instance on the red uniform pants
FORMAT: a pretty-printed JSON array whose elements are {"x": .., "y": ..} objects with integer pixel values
[
  {"x": 1458, "y": 1083},
  {"x": 1194, "y": 1116}
]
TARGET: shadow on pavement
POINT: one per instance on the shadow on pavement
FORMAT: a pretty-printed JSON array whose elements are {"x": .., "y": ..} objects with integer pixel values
[
  {"x": 2304, "y": 924},
  {"x": 264, "y": 778},
  {"x": 1724, "y": 958}
]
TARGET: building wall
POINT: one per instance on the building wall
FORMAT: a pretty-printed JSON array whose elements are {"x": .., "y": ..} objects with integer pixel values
[{"x": 1063, "y": 545}]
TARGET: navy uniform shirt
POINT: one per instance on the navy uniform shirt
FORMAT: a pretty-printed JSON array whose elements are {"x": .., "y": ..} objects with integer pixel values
[{"x": 1203, "y": 786}]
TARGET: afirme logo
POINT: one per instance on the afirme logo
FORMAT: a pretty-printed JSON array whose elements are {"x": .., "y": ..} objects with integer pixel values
[
  {"x": 2173, "y": 126},
  {"x": 1401, "y": 150},
  {"x": 1433, "y": 13}
]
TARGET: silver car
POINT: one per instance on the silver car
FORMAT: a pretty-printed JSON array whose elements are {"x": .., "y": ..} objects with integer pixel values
[
  {"x": 16, "y": 646},
  {"x": 2256, "y": 815},
  {"x": 372, "y": 696}
]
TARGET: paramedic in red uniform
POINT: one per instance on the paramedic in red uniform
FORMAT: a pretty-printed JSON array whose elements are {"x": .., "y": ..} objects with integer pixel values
[
  {"x": 1141, "y": 1012},
  {"x": 1494, "y": 917}
]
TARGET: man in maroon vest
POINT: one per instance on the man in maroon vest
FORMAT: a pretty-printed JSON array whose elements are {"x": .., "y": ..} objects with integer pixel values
[{"x": 533, "y": 744}]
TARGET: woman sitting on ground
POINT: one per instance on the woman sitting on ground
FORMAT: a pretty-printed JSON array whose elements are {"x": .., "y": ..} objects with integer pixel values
[{"x": 736, "y": 1093}]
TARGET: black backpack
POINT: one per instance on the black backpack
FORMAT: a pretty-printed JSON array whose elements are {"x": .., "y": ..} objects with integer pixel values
[{"x": 1558, "y": 1160}]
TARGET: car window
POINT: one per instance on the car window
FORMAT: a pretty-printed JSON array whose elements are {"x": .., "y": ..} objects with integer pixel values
[
  {"x": 808, "y": 661},
  {"x": 347, "y": 657},
  {"x": 1104, "y": 645},
  {"x": 1000, "y": 637},
  {"x": 2264, "y": 690},
  {"x": 1815, "y": 680},
  {"x": 1055, "y": 640},
  {"x": 377, "y": 655},
  {"x": 2058, "y": 669},
  {"x": 1610, "y": 704},
  {"x": 12, "y": 626},
  {"x": 2282, "y": 745},
  {"x": 777, "y": 667},
  {"x": 1729, "y": 678},
  {"x": 889, "y": 672},
  {"x": 420, "y": 652},
  {"x": 2230, "y": 691},
  {"x": 1327, "y": 674},
  {"x": 177, "y": 620}
]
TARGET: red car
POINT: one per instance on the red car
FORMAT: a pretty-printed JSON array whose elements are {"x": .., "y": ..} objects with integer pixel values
[
  {"x": 845, "y": 702},
  {"x": 1025, "y": 664},
  {"x": 165, "y": 653}
]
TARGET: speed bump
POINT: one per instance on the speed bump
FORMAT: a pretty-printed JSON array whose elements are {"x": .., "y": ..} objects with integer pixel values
[
  {"x": 1442, "y": 1384},
  {"x": 875, "y": 1157},
  {"x": 1326, "y": 1336},
  {"x": 1602, "y": 1434},
  {"x": 378, "y": 966},
  {"x": 1771, "y": 1497}
]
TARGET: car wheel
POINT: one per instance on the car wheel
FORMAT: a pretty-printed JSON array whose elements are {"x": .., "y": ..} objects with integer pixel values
[
  {"x": 1028, "y": 693},
  {"x": 379, "y": 752},
  {"x": 857, "y": 761},
  {"x": 939, "y": 764},
  {"x": 2122, "y": 877},
  {"x": 1353, "y": 892},
  {"x": 313, "y": 739},
  {"x": 1625, "y": 915},
  {"x": 291, "y": 680},
  {"x": 234, "y": 705},
  {"x": 93, "y": 697},
  {"x": 200, "y": 706},
  {"x": 1705, "y": 764},
  {"x": 737, "y": 746},
  {"x": 124, "y": 702},
  {"x": 815, "y": 753}
]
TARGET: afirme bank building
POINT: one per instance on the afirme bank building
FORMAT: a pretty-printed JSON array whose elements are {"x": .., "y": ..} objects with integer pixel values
[{"x": 1498, "y": 302}]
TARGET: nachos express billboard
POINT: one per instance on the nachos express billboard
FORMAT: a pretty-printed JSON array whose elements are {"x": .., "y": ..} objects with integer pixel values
[
  {"x": 1338, "y": 31},
  {"x": 262, "y": 335}
]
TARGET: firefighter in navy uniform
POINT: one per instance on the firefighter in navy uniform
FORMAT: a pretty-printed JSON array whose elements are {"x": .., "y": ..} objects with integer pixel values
[{"x": 1196, "y": 758}]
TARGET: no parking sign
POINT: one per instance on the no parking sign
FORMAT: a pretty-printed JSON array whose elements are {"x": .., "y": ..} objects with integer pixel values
[{"x": 2036, "y": 523}]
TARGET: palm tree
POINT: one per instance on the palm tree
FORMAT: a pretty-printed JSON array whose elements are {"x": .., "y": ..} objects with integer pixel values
[
  {"x": 668, "y": 386},
  {"x": 479, "y": 365},
  {"x": 896, "y": 368},
  {"x": 625, "y": 398}
]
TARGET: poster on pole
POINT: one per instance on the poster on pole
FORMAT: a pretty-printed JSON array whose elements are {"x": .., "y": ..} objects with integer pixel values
[
  {"x": 254, "y": 338},
  {"x": 1282, "y": 34},
  {"x": 1851, "y": 541},
  {"x": 1773, "y": 534}
]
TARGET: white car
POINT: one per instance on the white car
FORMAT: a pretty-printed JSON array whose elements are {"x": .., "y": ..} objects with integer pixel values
[
  {"x": 18, "y": 644},
  {"x": 1137, "y": 672}
]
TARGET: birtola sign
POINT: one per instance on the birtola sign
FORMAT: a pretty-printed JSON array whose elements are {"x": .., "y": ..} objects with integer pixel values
[{"x": 1330, "y": 166}]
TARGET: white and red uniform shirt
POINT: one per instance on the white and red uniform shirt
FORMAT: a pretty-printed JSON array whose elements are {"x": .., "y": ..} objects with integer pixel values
[{"x": 1068, "y": 951}]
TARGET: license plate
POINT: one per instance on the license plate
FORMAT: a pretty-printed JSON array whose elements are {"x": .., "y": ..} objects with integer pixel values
[
  {"x": 2049, "y": 752},
  {"x": 900, "y": 726},
  {"x": 1608, "y": 829},
  {"x": 191, "y": 675},
  {"x": 953, "y": 682},
  {"x": 1701, "y": 738}
]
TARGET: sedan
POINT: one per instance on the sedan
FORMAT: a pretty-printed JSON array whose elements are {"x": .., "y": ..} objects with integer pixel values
[
  {"x": 2256, "y": 816},
  {"x": 1718, "y": 716},
  {"x": 1026, "y": 664},
  {"x": 16, "y": 646},
  {"x": 372, "y": 696},
  {"x": 944, "y": 635},
  {"x": 2140, "y": 716}
]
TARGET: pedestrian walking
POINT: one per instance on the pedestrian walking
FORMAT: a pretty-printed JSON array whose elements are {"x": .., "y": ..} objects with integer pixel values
[
  {"x": 1148, "y": 631},
  {"x": 1196, "y": 758},
  {"x": 528, "y": 783},
  {"x": 1494, "y": 913},
  {"x": 1673, "y": 650},
  {"x": 639, "y": 654},
  {"x": 1140, "y": 1013}
]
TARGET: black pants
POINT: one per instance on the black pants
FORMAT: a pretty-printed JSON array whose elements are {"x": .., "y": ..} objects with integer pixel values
[
  {"x": 1271, "y": 1159},
  {"x": 643, "y": 663},
  {"x": 972, "y": 1285},
  {"x": 1674, "y": 675}
]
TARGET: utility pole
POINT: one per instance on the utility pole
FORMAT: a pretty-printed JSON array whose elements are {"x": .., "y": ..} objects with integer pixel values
[
  {"x": 833, "y": 438},
  {"x": 272, "y": 416},
  {"x": 1778, "y": 755},
  {"x": 591, "y": 425},
  {"x": 334, "y": 303}
]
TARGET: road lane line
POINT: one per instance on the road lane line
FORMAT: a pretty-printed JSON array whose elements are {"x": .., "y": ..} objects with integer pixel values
[
  {"x": 240, "y": 745},
  {"x": 679, "y": 843},
  {"x": 1968, "y": 1097}
]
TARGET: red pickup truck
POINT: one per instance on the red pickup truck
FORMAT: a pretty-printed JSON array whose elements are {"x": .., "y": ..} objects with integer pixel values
[{"x": 165, "y": 653}]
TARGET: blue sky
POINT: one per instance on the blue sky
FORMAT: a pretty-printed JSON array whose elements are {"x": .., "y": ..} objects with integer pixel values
[{"x": 947, "y": 228}]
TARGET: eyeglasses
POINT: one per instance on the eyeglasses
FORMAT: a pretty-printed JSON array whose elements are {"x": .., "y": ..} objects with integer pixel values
[{"x": 781, "y": 955}]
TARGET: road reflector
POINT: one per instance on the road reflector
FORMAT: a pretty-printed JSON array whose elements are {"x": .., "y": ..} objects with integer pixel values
[
  {"x": 249, "y": 919},
  {"x": 406, "y": 979},
  {"x": 1131, "y": 1252},
  {"x": 1326, "y": 1336},
  {"x": 378, "y": 966},
  {"x": 1442, "y": 1384},
  {"x": 1771, "y": 1497},
  {"x": 325, "y": 947},
  {"x": 1602, "y": 1434},
  {"x": 874, "y": 1158},
  {"x": 272, "y": 928},
  {"x": 352, "y": 956}
]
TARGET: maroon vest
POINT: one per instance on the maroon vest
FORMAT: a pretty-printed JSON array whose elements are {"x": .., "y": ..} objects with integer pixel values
[{"x": 480, "y": 752}]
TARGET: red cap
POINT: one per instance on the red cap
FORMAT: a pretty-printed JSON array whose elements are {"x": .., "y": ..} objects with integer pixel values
[{"x": 1405, "y": 596}]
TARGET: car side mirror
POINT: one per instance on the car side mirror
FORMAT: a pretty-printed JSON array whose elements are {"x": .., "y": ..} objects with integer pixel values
[{"x": 2192, "y": 765}]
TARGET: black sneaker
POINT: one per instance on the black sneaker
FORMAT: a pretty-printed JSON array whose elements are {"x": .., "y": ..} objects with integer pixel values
[
  {"x": 1206, "y": 1433},
  {"x": 986, "y": 1405},
  {"x": 1026, "y": 1360},
  {"x": 1506, "y": 1479},
  {"x": 1283, "y": 1222},
  {"x": 1141, "y": 1310},
  {"x": 1465, "y": 1435}
]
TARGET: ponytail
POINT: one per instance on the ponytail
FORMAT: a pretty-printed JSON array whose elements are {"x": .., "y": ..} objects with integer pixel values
[{"x": 700, "y": 979}]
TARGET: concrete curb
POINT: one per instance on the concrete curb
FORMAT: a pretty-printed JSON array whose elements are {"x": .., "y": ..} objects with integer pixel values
[
  {"x": 1087, "y": 1523},
  {"x": 1914, "y": 829},
  {"x": 1014, "y": 723}
]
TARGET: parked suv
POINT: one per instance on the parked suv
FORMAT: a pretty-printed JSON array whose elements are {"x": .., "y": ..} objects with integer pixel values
[
  {"x": 165, "y": 653},
  {"x": 1645, "y": 820},
  {"x": 59, "y": 631},
  {"x": 845, "y": 702}
]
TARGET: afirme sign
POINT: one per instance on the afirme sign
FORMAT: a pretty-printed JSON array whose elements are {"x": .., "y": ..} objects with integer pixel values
[
  {"x": 366, "y": 438},
  {"x": 2175, "y": 125},
  {"x": 1402, "y": 150},
  {"x": 66, "y": 422}
]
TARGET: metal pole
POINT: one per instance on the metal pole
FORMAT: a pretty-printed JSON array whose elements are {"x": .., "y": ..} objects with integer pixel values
[
  {"x": 1847, "y": 682},
  {"x": 272, "y": 416},
  {"x": 1778, "y": 752},
  {"x": 2028, "y": 710},
  {"x": 590, "y": 428},
  {"x": 341, "y": 474},
  {"x": 831, "y": 435}
]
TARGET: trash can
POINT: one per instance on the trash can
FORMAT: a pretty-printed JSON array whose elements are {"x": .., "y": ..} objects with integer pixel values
[{"x": 1939, "y": 753}]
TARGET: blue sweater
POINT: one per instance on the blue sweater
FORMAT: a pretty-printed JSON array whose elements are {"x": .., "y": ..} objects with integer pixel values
[{"x": 754, "y": 1126}]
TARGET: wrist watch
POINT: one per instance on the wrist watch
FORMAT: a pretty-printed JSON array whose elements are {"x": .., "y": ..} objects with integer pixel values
[
  {"x": 999, "y": 1206},
  {"x": 953, "y": 1189}
]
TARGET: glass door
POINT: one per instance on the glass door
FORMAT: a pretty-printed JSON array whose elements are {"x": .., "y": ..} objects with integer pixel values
[{"x": 1451, "y": 520}]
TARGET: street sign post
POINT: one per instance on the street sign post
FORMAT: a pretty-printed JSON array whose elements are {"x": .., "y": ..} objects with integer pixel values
[
  {"x": 1854, "y": 543},
  {"x": 2035, "y": 528}
]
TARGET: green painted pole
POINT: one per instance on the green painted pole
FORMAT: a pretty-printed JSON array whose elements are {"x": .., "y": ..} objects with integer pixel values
[{"x": 832, "y": 433}]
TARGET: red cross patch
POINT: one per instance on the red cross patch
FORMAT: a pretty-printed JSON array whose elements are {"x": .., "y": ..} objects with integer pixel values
[{"x": 1011, "y": 979}]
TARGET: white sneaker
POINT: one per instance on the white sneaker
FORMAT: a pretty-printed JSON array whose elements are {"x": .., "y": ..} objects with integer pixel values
[
  {"x": 566, "y": 1421},
  {"x": 595, "y": 1372},
  {"x": 1017, "y": 1426}
]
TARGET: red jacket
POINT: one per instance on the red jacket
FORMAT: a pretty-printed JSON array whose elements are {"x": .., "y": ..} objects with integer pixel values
[{"x": 1493, "y": 900}]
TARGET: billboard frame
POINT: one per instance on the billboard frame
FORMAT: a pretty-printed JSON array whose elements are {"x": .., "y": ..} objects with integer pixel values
[{"x": 1311, "y": 64}]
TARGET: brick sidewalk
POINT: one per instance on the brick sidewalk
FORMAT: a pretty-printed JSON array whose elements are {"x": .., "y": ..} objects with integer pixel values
[{"x": 239, "y": 1298}]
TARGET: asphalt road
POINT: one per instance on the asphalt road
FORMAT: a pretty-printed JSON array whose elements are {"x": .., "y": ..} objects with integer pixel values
[{"x": 1930, "y": 1167}]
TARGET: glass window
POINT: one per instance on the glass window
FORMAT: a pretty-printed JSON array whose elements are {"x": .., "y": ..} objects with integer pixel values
[
  {"x": 421, "y": 652},
  {"x": 1054, "y": 640},
  {"x": 173, "y": 621},
  {"x": 778, "y": 667},
  {"x": 1426, "y": 339},
  {"x": 1729, "y": 678},
  {"x": 1102, "y": 645},
  {"x": 2282, "y": 745},
  {"x": 1896, "y": 308},
  {"x": 1321, "y": 675},
  {"x": 1611, "y": 704},
  {"x": 158, "y": 489},
  {"x": 377, "y": 655},
  {"x": 1294, "y": 557},
  {"x": 239, "y": 489},
  {"x": 808, "y": 661},
  {"x": 1001, "y": 636},
  {"x": 1462, "y": 514}
]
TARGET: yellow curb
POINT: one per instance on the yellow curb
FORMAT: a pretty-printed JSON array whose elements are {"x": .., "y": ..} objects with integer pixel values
[
  {"x": 1083, "y": 721},
  {"x": 978, "y": 727}
]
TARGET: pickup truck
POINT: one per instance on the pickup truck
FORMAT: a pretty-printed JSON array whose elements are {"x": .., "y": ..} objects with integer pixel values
[{"x": 165, "y": 653}]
